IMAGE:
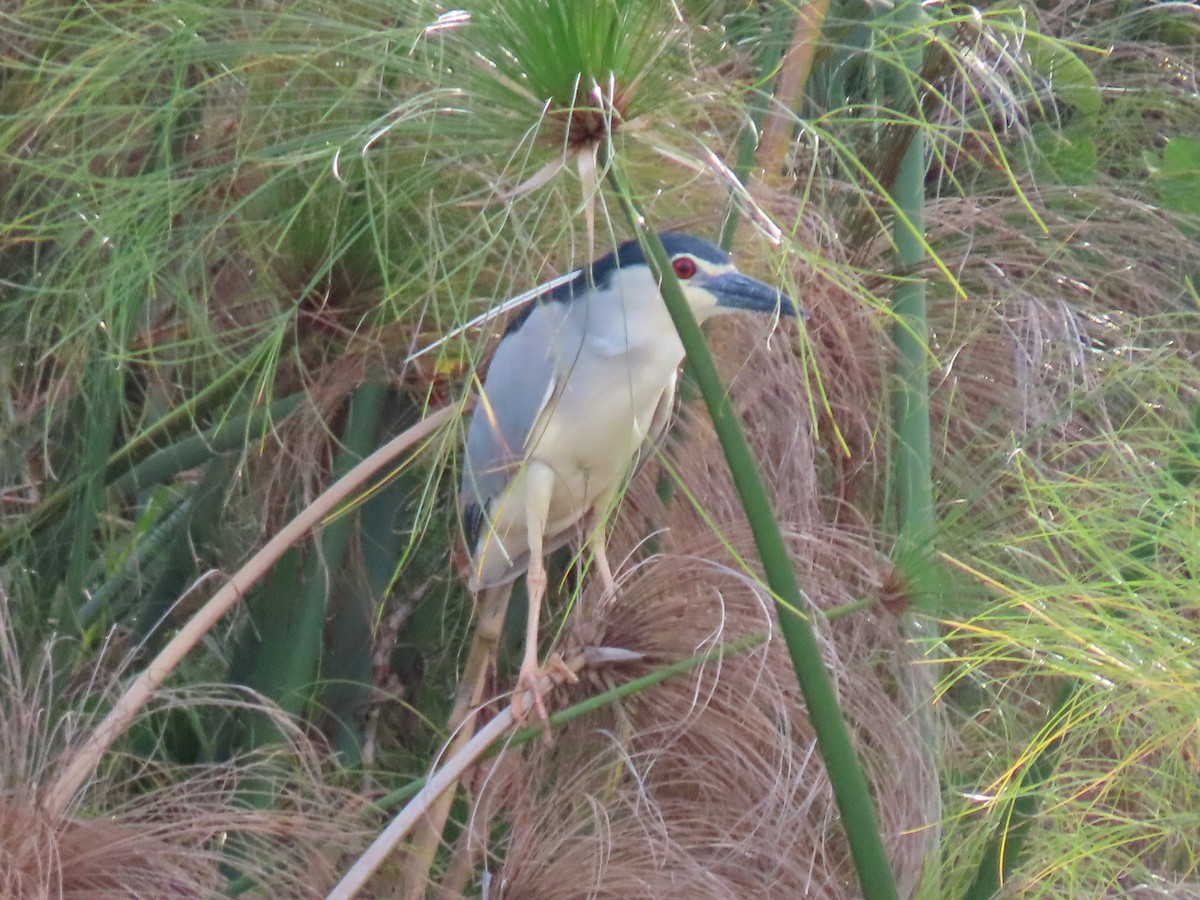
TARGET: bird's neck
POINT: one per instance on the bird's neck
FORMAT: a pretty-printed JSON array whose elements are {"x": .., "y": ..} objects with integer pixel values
[{"x": 634, "y": 321}]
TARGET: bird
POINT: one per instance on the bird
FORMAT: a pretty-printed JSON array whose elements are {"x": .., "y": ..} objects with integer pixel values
[{"x": 580, "y": 388}]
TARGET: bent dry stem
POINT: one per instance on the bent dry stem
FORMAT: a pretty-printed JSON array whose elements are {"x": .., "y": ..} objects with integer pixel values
[{"x": 80, "y": 766}]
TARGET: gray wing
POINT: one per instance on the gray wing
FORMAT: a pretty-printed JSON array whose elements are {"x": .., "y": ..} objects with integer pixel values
[{"x": 520, "y": 381}]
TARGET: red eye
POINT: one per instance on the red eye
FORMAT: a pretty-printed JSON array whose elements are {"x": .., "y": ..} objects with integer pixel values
[{"x": 684, "y": 266}]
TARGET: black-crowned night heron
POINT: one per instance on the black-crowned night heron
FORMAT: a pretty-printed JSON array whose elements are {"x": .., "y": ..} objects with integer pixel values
[{"x": 580, "y": 384}]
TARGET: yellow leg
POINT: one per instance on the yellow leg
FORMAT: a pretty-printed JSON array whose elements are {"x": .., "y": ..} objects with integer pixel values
[
  {"x": 600, "y": 561},
  {"x": 539, "y": 484}
]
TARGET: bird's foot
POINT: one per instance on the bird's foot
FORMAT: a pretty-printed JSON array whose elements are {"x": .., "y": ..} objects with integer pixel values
[
  {"x": 557, "y": 668},
  {"x": 530, "y": 684}
]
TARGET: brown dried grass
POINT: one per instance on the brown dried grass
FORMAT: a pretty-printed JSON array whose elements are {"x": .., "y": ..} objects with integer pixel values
[
  {"x": 149, "y": 829},
  {"x": 711, "y": 785}
]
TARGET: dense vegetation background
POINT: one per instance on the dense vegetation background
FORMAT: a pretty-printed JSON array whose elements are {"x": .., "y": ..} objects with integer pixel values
[{"x": 233, "y": 237}]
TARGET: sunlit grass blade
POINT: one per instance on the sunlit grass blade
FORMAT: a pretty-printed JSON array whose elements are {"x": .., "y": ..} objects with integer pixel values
[{"x": 1005, "y": 848}]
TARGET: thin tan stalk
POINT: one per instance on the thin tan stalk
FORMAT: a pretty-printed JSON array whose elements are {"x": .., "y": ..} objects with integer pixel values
[
  {"x": 461, "y": 870},
  {"x": 461, "y": 726},
  {"x": 80, "y": 766},
  {"x": 793, "y": 75}
]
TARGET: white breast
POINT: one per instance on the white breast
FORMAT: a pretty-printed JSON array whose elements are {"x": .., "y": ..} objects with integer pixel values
[{"x": 592, "y": 430}]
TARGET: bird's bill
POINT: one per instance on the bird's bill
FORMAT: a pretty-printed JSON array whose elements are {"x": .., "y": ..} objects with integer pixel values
[{"x": 736, "y": 291}]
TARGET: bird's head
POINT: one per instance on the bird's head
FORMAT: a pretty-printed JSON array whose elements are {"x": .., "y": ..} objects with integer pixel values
[{"x": 711, "y": 283}]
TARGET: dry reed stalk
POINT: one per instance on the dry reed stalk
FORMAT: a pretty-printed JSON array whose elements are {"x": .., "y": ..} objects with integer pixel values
[{"x": 79, "y": 767}]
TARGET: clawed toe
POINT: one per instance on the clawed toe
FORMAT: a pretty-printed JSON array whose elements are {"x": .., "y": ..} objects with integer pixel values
[
  {"x": 531, "y": 688},
  {"x": 557, "y": 668},
  {"x": 529, "y": 684}
]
